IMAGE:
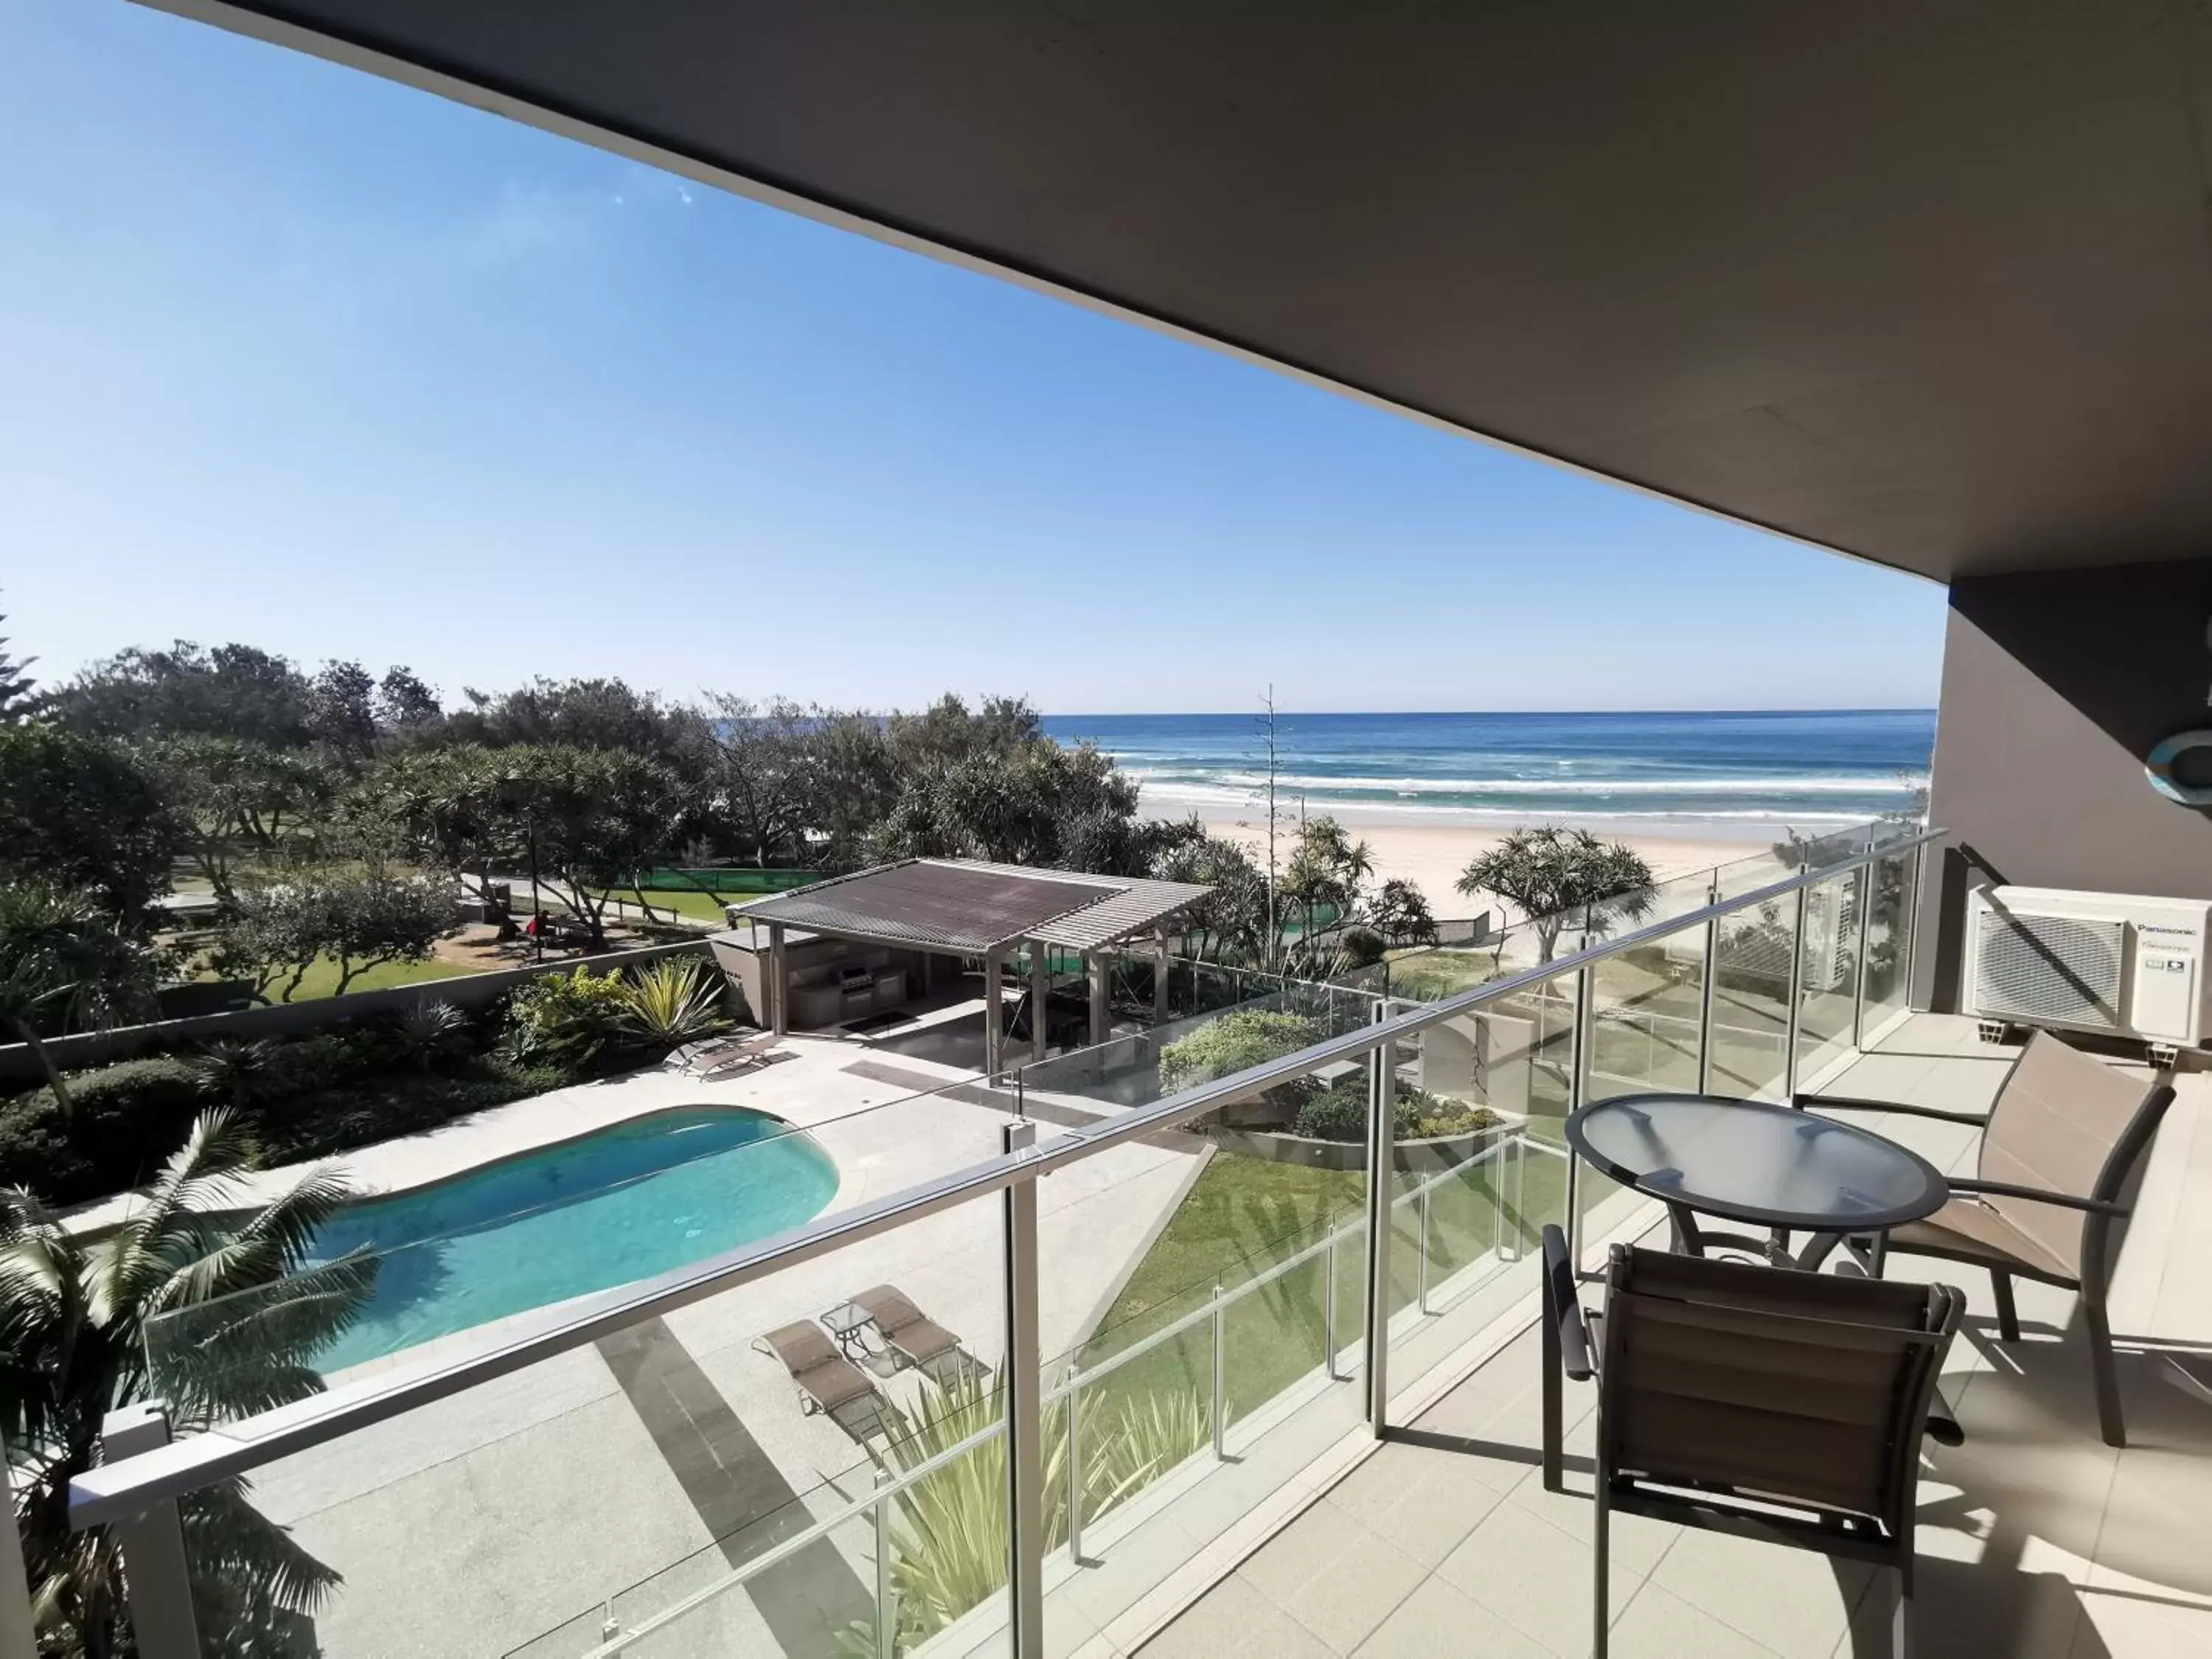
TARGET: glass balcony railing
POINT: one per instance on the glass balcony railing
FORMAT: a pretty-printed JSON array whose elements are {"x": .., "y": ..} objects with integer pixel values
[{"x": 1057, "y": 1332}]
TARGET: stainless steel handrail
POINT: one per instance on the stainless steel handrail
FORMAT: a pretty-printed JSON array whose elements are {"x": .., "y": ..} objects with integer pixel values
[
  {"x": 113, "y": 1490},
  {"x": 736, "y": 1577}
]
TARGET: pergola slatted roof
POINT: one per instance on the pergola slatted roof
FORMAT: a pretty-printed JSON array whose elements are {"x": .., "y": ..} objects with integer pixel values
[{"x": 967, "y": 907}]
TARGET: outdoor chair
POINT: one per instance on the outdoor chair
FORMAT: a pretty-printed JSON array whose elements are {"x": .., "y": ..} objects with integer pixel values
[
  {"x": 1769, "y": 1404},
  {"x": 915, "y": 1339},
  {"x": 2059, "y": 1146},
  {"x": 719, "y": 1055},
  {"x": 829, "y": 1384}
]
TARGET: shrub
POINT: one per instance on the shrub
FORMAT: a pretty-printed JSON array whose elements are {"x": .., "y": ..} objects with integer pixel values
[
  {"x": 380, "y": 1105},
  {"x": 568, "y": 1020},
  {"x": 1339, "y": 1113},
  {"x": 428, "y": 1033},
  {"x": 674, "y": 1001},
  {"x": 1234, "y": 1042},
  {"x": 124, "y": 1118}
]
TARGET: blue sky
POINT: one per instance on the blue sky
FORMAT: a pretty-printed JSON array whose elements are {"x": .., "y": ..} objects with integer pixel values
[{"x": 293, "y": 355}]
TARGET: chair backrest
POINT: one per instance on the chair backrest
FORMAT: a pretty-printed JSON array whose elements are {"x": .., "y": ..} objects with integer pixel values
[
  {"x": 2067, "y": 1122},
  {"x": 891, "y": 1308},
  {"x": 1796, "y": 1386}
]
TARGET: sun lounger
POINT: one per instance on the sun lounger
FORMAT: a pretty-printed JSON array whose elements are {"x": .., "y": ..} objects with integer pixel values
[
  {"x": 913, "y": 1337},
  {"x": 829, "y": 1384},
  {"x": 717, "y": 1054}
]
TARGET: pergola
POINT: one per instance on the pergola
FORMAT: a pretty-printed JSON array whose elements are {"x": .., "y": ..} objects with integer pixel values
[{"x": 969, "y": 907}]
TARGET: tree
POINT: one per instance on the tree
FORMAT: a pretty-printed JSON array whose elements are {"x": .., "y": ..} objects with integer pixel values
[
  {"x": 361, "y": 914},
  {"x": 341, "y": 711},
  {"x": 1034, "y": 802},
  {"x": 233, "y": 690},
  {"x": 404, "y": 705},
  {"x": 16, "y": 698},
  {"x": 64, "y": 966},
  {"x": 1400, "y": 914},
  {"x": 238, "y": 796},
  {"x": 84, "y": 812},
  {"x": 1328, "y": 868},
  {"x": 1550, "y": 872},
  {"x": 589, "y": 713},
  {"x": 75, "y": 1314},
  {"x": 1231, "y": 924},
  {"x": 592, "y": 818},
  {"x": 766, "y": 777}
]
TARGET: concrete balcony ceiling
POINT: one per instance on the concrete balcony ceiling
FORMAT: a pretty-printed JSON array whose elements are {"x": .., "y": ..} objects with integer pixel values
[{"x": 1927, "y": 285}]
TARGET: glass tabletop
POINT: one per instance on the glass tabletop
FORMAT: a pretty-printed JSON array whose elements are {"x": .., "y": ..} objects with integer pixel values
[{"x": 1748, "y": 1161}]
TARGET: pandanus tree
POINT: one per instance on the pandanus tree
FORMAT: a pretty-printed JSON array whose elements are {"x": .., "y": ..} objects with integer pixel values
[
  {"x": 1553, "y": 874},
  {"x": 75, "y": 1317},
  {"x": 64, "y": 966}
]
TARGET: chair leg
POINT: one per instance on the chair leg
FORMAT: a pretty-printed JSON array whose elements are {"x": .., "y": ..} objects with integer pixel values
[
  {"x": 1554, "y": 1478},
  {"x": 1601, "y": 1603},
  {"x": 2107, "y": 1372},
  {"x": 1900, "y": 1617},
  {"x": 2007, "y": 1314}
]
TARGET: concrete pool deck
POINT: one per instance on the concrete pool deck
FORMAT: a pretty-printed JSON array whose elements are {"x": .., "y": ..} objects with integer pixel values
[{"x": 674, "y": 1449}]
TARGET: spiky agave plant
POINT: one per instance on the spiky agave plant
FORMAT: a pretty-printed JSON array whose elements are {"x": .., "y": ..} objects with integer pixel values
[
  {"x": 673, "y": 1002},
  {"x": 74, "y": 1319},
  {"x": 948, "y": 1530}
]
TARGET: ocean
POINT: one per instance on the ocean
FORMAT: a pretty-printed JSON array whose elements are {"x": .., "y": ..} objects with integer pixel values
[{"x": 1720, "y": 775}]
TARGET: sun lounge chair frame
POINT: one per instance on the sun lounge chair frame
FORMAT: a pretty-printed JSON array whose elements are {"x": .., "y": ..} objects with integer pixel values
[
  {"x": 913, "y": 1339},
  {"x": 828, "y": 1384}
]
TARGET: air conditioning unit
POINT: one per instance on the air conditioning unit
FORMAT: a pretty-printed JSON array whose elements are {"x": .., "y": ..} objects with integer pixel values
[{"x": 2089, "y": 962}]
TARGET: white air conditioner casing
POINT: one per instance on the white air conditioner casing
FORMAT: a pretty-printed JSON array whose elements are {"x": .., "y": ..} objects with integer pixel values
[{"x": 2116, "y": 962}]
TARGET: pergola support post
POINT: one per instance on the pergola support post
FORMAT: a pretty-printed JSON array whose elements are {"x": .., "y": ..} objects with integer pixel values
[
  {"x": 1100, "y": 1020},
  {"x": 775, "y": 987},
  {"x": 1040, "y": 994},
  {"x": 995, "y": 1014},
  {"x": 1160, "y": 980}
]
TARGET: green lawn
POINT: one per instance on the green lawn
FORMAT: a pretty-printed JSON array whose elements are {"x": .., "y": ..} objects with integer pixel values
[
  {"x": 1244, "y": 1215},
  {"x": 322, "y": 978},
  {"x": 684, "y": 900}
]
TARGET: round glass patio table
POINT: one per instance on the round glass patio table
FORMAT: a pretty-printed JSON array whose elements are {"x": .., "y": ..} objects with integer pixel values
[{"x": 1750, "y": 1162}]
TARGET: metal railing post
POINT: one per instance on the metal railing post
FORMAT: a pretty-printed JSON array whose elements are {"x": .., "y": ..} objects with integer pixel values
[
  {"x": 18, "y": 1637},
  {"x": 1220, "y": 1376},
  {"x": 156, "y": 1573},
  {"x": 1024, "y": 1414},
  {"x": 1520, "y": 1191},
  {"x": 1074, "y": 1463},
  {"x": 1797, "y": 992},
  {"x": 1328, "y": 1310},
  {"x": 886, "y": 1597},
  {"x": 1859, "y": 976},
  {"x": 1381, "y": 1164},
  {"x": 1421, "y": 1299},
  {"x": 1581, "y": 1038},
  {"x": 1711, "y": 976},
  {"x": 1910, "y": 909}
]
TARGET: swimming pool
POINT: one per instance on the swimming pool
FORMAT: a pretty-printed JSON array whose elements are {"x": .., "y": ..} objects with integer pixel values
[{"x": 619, "y": 1204}]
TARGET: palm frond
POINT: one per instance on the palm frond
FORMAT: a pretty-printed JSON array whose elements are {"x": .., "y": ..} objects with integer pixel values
[{"x": 252, "y": 1566}]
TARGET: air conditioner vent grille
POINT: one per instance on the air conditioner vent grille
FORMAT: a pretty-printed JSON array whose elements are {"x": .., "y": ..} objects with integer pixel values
[{"x": 2061, "y": 969}]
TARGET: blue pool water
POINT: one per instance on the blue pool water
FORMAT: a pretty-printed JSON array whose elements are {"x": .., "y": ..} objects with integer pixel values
[{"x": 620, "y": 1204}]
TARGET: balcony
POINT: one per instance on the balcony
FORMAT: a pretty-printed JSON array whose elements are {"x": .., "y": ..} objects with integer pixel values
[
  {"x": 1179, "y": 1328},
  {"x": 2036, "y": 1537}
]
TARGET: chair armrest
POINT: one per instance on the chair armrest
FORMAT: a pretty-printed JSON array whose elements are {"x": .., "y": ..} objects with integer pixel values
[
  {"x": 1563, "y": 1307},
  {"x": 1844, "y": 1103},
  {"x": 2006, "y": 1189}
]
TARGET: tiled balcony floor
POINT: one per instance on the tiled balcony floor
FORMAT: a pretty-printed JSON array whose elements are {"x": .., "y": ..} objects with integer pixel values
[{"x": 2036, "y": 1541}]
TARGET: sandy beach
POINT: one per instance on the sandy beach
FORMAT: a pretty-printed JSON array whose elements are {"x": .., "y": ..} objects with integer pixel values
[{"x": 1432, "y": 855}]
